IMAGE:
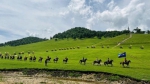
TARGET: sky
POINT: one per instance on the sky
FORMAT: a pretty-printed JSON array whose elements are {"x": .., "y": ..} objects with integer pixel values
[{"x": 45, "y": 18}]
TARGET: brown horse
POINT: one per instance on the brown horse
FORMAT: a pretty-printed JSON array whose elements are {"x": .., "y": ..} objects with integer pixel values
[
  {"x": 83, "y": 60},
  {"x": 55, "y": 60},
  {"x": 127, "y": 63},
  {"x": 65, "y": 60},
  {"x": 108, "y": 62},
  {"x": 48, "y": 58},
  {"x": 25, "y": 58},
  {"x": 40, "y": 59},
  {"x": 97, "y": 61}
]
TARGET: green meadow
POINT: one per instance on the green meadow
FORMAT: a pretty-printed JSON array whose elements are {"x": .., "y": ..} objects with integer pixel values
[{"x": 139, "y": 67}]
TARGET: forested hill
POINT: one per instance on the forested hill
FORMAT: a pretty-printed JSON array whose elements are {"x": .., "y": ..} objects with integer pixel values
[
  {"x": 23, "y": 41},
  {"x": 81, "y": 32}
]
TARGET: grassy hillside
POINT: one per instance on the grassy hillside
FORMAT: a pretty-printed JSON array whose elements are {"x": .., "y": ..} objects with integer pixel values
[{"x": 139, "y": 67}]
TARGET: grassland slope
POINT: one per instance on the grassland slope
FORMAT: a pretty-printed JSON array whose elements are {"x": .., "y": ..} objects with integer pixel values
[{"x": 138, "y": 69}]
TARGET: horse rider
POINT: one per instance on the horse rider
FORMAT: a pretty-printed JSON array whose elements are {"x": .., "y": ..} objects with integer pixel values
[
  {"x": 66, "y": 58},
  {"x": 125, "y": 60},
  {"x": 83, "y": 58},
  {"x": 108, "y": 60}
]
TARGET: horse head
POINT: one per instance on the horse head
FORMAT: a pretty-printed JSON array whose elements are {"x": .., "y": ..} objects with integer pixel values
[
  {"x": 110, "y": 61},
  {"x": 129, "y": 61}
]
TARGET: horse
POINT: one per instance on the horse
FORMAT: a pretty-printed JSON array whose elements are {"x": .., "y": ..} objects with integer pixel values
[
  {"x": 12, "y": 57},
  {"x": 97, "y": 61},
  {"x": 34, "y": 59},
  {"x": 25, "y": 58},
  {"x": 65, "y": 60},
  {"x": 1, "y": 56},
  {"x": 6, "y": 56},
  {"x": 48, "y": 58},
  {"x": 40, "y": 59},
  {"x": 55, "y": 60},
  {"x": 127, "y": 63},
  {"x": 30, "y": 58},
  {"x": 108, "y": 62},
  {"x": 19, "y": 57},
  {"x": 45, "y": 62},
  {"x": 83, "y": 60}
]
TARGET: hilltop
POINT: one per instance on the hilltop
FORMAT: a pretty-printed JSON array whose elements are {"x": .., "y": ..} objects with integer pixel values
[
  {"x": 81, "y": 32},
  {"x": 23, "y": 41},
  {"x": 90, "y": 48}
]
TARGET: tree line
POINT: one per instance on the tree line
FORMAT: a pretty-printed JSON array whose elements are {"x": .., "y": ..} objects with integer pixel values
[
  {"x": 81, "y": 32},
  {"x": 23, "y": 41},
  {"x": 77, "y": 32}
]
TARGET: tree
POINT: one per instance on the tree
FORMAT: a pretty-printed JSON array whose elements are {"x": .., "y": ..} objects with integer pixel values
[
  {"x": 137, "y": 30},
  {"x": 148, "y": 32}
]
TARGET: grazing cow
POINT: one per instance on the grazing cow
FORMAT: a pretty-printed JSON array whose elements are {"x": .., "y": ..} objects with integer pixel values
[
  {"x": 142, "y": 47},
  {"x": 121, "y": 47}
]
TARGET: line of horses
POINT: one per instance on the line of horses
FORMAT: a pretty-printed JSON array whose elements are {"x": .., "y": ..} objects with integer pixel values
[
  {"x": 65, "y": 60},
  {"x": 106, "y": 63}
]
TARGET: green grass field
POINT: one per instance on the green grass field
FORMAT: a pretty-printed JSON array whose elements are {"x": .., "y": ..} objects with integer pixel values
[{"x": 139, "y": 67}]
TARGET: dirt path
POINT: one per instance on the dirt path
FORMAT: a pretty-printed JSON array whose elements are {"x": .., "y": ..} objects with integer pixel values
[
  {"x": 17, "y": 77},
  {"x": 123, "y": 40}
]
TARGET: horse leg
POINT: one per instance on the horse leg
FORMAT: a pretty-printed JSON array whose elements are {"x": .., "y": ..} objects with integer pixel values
[
  {"x": 123, "y": 64},
  {"x": 111, "y": 64}
]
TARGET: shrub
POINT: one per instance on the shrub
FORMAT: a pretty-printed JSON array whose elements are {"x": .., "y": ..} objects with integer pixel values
[{"x": 114, "y": 78}]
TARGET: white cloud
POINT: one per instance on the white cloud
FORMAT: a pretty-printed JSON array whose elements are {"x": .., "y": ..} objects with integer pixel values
[
  {"x": 111, "y": 4},
  {"x": 73, "y": 20},
  {"x": 44, "y": 18},
  {"x": 100, "y": 1}
]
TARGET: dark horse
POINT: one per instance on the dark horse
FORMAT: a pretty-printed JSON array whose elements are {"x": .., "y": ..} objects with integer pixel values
[
  {"x": 127, "y": 63},
  {"x": 108, "y": 62},
  {"x": 34, "y": 59},
  {"x": 83, "y": 60},
  {"x": 40, "y": 59},
  {"x": 48, "y": 58},
  {"x": 25, "y": 58},
  {"x": 55, "y": 60},
  {"x": 97, "y": 61},
  {"x": 65, "y": 60}
]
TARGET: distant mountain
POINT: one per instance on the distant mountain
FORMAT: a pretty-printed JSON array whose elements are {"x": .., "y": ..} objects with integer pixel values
[
  {"x": 81, "y": 32},
  {"x": 23, "y": 41}
]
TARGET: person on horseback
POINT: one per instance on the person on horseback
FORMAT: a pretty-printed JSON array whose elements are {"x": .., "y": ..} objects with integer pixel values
[
  {"x": 83, "y": 58},
  {"x": 66, "y": 58},
  {"x": 97, "y": 59},
  {"x": 125, "y": 60},
  {"x": 108, "y": 60}
]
